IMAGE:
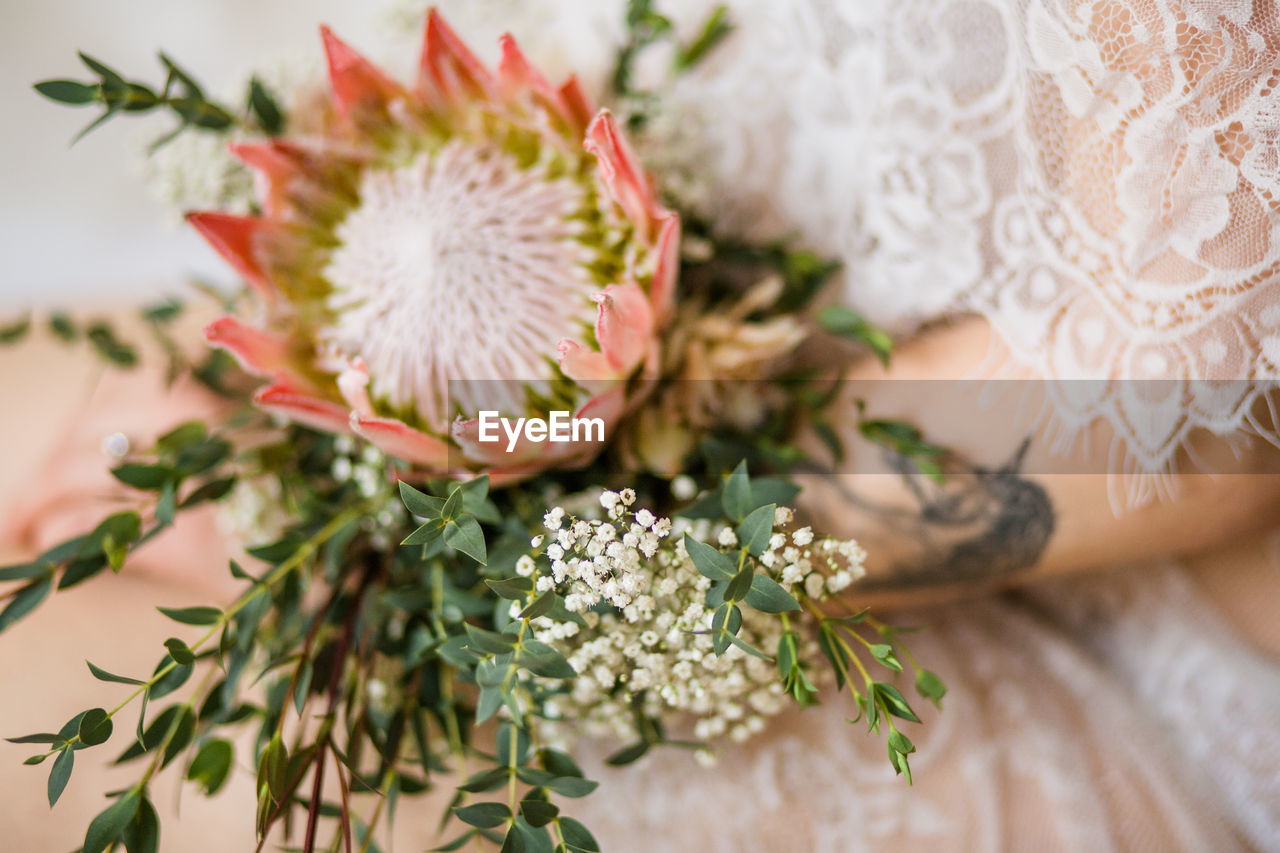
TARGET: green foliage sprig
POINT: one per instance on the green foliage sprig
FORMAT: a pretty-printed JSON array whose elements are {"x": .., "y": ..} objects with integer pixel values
[
  {"x": 646, "y": 27},
  {"x": 179, "y": 95}
]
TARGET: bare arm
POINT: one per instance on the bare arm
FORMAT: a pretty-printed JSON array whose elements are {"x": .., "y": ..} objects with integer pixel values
[{"x": 998, "y": 518}]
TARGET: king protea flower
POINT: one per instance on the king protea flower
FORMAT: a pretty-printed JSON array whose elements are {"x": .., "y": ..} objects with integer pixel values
[{"x": 477, "y": 240}]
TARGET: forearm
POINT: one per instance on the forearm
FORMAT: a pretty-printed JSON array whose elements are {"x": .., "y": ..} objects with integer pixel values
[{"x": 1000, "y": 517}]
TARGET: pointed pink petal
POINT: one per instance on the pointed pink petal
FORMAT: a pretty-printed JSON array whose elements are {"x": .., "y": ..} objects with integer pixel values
[
  {"x": 353, "y": 383},
  {"x": 260, "y": 352},
  {"x": 518, "y": 76},
  {"x": 622, "y": 173},
  {"x": 624, "y": 325},
  {"x": 662, "y": 290},
  {"x": 274, "y": 163},
  {"x": 578, "y": 104},
  {"x": 401, "y": 440},
  {"x": 589, "y": 368},
  {"x": 353, "y": 78},
  {"x": 285, "y": 398},
  {"x": 234, "y": 237},
  {"x": 447, "y": 67}
]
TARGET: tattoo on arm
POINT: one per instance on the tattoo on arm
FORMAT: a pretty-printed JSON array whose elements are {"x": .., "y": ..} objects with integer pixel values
[{"x": 979, "y": 524}]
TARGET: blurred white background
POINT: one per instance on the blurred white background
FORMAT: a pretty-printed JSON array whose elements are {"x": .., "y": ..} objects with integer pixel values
[{"x": 78, "y": 226}]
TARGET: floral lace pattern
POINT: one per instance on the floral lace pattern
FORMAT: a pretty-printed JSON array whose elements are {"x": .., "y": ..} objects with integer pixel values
[{"x": 1100, "y": 179}]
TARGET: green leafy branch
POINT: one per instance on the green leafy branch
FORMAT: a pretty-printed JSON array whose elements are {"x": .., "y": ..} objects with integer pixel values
[
  {"x": 179, "y": 95},
  {"x": 509, "y": 667},
  {"x": 646, "y": 27},
  {"x": 881, "y": 702},
  {"x": 186, "y": 454},
  {"x": 905, "y": 441}
]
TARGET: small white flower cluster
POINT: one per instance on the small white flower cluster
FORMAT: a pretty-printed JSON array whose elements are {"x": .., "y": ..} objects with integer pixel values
[
  {"x": 196, "y": 171},
  {"x": 367, "y": 467},
  {"x": 602, "y": 560},
  {"x": 654, "y": 637},
  {"x": 254, "y": 513}
]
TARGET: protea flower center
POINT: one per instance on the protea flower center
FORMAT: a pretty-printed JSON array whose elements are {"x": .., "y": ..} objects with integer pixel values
[{"x": 455, "y": 277}]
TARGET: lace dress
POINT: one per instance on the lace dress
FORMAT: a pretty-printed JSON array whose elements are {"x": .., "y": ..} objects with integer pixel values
[{"x": 1101, "y": 180}]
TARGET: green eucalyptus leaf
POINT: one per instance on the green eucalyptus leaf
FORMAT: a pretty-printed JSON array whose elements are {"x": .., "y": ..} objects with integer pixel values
[
  {"x": 577, "y": 836},
  {"x": 486, "y": 780},
  {"x": 540, "y": 606},
  {"x": 266, "y": 112},
  {"x": 709, "y": 561},
  {"x": 178, "y": 650},
  {"x": 488, "y": 703},
  {"x": 420, "y": 503},
  {"x": 768, "y": 596},
  {"x": 748, "y": 648},
  {"x": 25, "y": 571},
  {"x": 192, "y": 615},
  {"x": 559, "y": 763},
  {"x": 95, "y": 727},
  {"x": 756, "y": 529},
  {"x": 900, "y": 742},
  {"x": 538, "y": 812},
  {"x": 212, "y": 765},
  {"x": 893, "y": 701},
  {"x": 489, "y": 642},
  {"x": 483, "y": 815},
  {"x": 572, "y": 786},
  {"x": 145, "y": 477},
  {"x": 214, "y": 490},
  {"x": 25, "y": 600},
  {"x": 541, "y": 659},
  {"x": 883, "y": 652},
  {"x": 42, "y": 737},
  {"x": 464, "y": 534},
  {"x": 142, "y": 835},
  {"x": 628, "y": 754},
  {"x": 930, "y": 686},
  {"x": 60, "y": 774},
  {"x": 70, "y": 92},
  {"x": 108, "y": 826},
  {"x": 847, "y": 323},
  {"x": 453, "y": 504},
  {"x": 429, "y": 532},
  {"x": 736, "y": 498},
  {"x": 512, "y": 589}
]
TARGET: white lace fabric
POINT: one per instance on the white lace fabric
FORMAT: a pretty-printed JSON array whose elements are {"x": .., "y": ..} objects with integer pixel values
[{"x": 1101, "y": 180}]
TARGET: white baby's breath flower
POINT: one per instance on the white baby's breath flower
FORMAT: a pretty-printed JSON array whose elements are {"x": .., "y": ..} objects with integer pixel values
[
  {"x": 115, "y": 445},
  {"x": 683, "y": 488}
]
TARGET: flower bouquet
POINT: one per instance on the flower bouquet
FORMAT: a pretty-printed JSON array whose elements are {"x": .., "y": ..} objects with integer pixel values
[{"x": 507, "y": 435}]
